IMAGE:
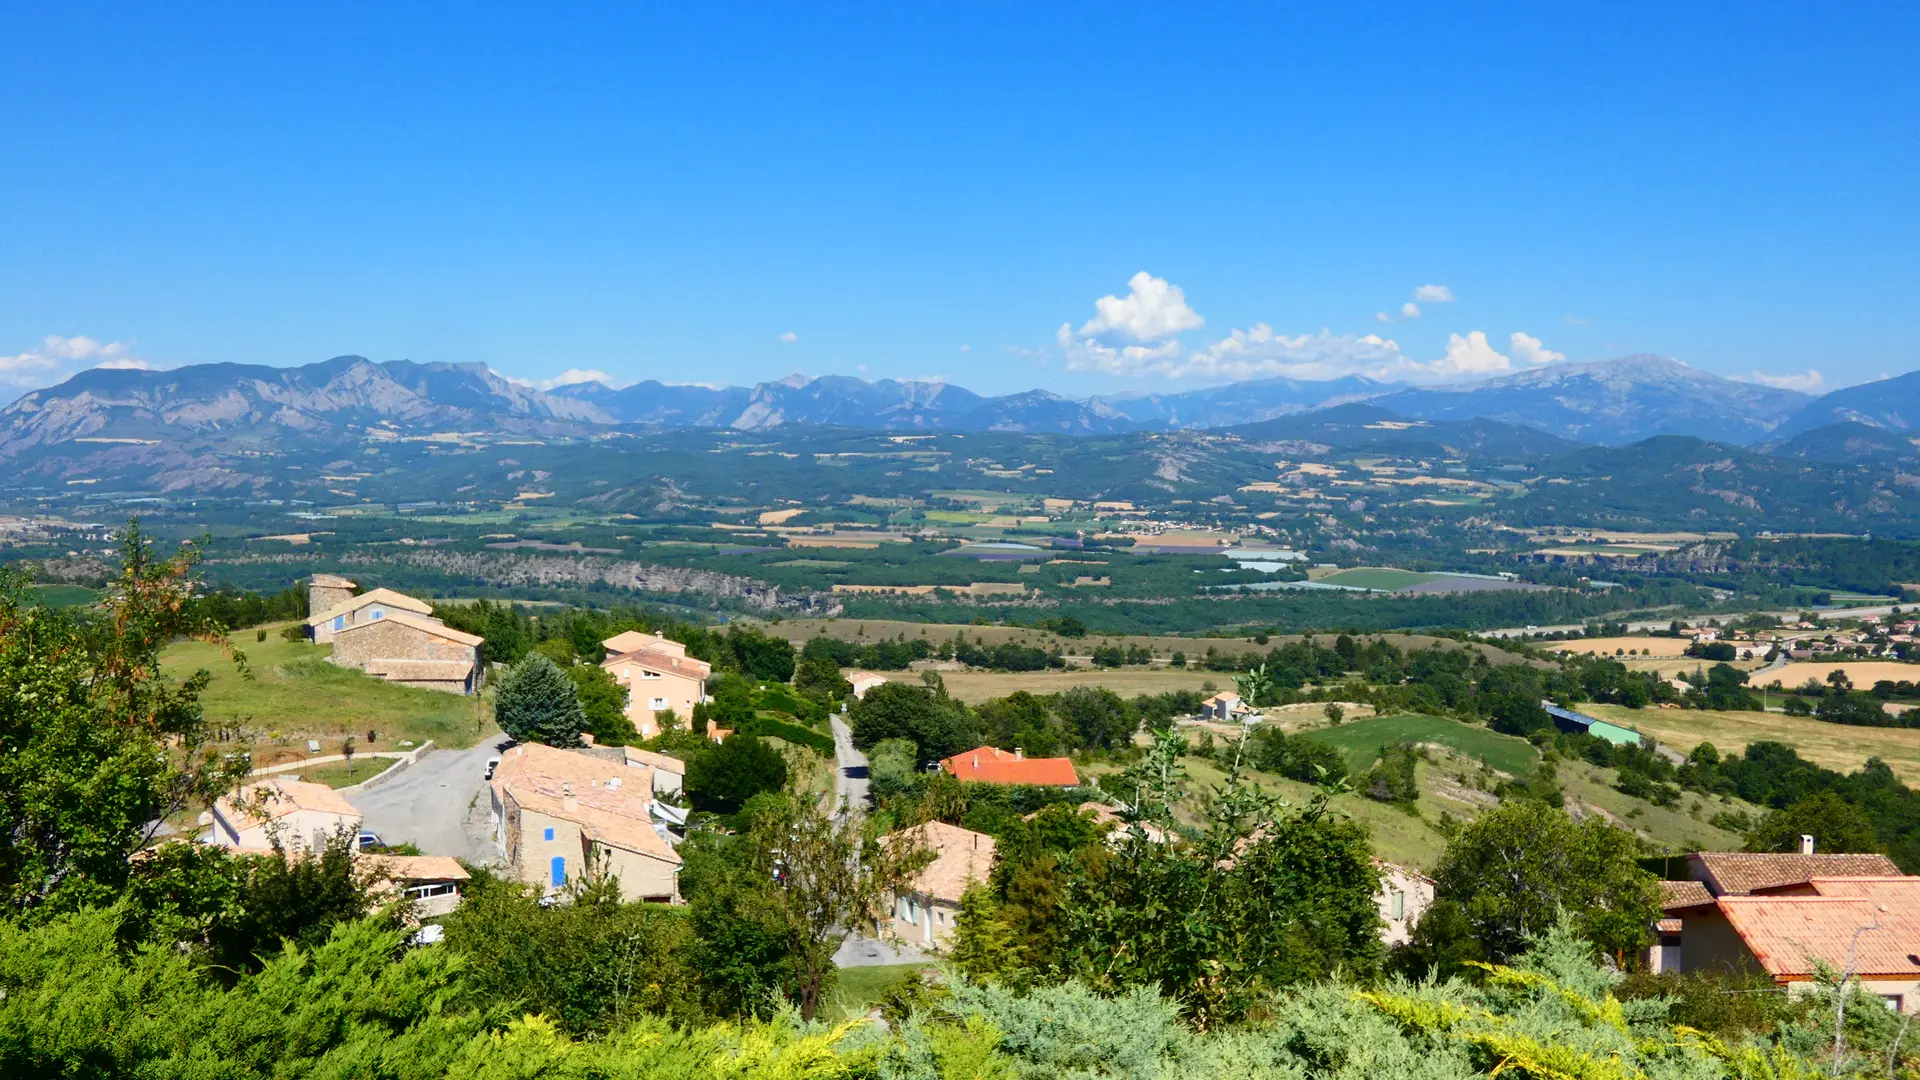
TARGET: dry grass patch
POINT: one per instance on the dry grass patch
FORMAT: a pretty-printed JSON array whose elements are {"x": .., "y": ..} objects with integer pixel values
[
  {"x": 1835, "y": 746},
  {"x": 1647, "y": 645},
  {"x": 974, "y": 687},
  {"x": 1863, "y": 673}
]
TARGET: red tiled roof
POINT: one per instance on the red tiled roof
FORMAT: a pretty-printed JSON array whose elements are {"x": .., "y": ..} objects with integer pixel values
[
  {"x": 988, "y": 765},
  {"x": 1789, "y": 934},
  {"x": 1679, "y": 894}
]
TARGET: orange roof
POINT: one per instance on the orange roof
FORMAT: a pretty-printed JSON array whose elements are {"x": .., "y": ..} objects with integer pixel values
[
  {"x": 388, "y": 597},
  {"x": 269, "y": 800},
  {"x": 988, "y": 765},
  {"x": 661, "y": 660},
  {"x": 1789, "y": 934},
  {"x": 1678, "y": 894},
  {"x": 960, "y": 858},
  {"x": 610, "y": 802}
]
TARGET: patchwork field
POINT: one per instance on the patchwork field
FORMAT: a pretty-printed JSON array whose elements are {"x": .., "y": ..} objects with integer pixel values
[
  {"x": 1833, "y": 745},
  {"x": 1646, "y": 645},
  {"x": 974, "y": 687},
  {"x": 1372, "y": 577},
  {"x": 1862, "y": 673}
]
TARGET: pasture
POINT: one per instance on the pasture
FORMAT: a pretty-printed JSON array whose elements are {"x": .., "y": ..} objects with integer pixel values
[
  {"x": 1862, "y": 673},
  {"x": 1835, "y": 746},
  {"x": 1362, "y": 740}
]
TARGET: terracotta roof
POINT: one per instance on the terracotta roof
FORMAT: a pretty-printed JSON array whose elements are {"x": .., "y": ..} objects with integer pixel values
[
  {"x": 421, "y": 670},
  {"x": 1678, "y": 894},
  {"x": 868, "y": 678},
  {"x": 634, "y": 641},
  {"x": 413, "y": 867},
  {"x": 1669, "y": 926},
  {"x": 255, "y": 804},
  {"x": 635, "y": 755},
  {"x": 960, "y": 858},
  {"x": 684, "y": 666},
  {"x": 397, "y": 600},
  {"x": 1788, "y": 934},
  {"x": 609, "y": 802},
  {"x": 424, "y": 623},
  {"x": 1735, "y": 873},
  {"x": 988, "y": 765}
]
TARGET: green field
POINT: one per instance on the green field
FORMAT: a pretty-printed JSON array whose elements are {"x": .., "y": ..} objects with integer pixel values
[
  {"x": 1361, "y": 741},
  {"x": 60, "y": 596},
  {"x": 858, "y": 989},
  {"x": 336, "y": 774},
  {"x": 296, "y": 695},
  {"x": 1376, "y": 577}
]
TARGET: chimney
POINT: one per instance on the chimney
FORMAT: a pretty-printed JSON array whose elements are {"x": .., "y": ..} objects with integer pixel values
[
  {"x": 586, "y": 738},
  {"x": 976, "y": 762},
  {"x": 1806, "y": 844},
  {"x": 1019, "y": 754}
]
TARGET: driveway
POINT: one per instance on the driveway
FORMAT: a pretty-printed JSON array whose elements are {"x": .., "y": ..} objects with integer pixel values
[
  {"x": 850, "y": 773},
  {"x": 440, "y": 804}
]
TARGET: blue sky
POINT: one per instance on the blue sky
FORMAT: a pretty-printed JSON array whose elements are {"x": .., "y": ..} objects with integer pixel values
[{"x": 724, "y": 193}]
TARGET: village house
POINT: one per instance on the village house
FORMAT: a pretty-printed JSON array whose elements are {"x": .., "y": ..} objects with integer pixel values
[
  {"x": 669, "y": 773},
  {"x": 394, "y": 636},
  {"x": 299, "y": 815},
  {"x": 863, "y": 681},
  {"x": 1226, "y": 708},
  {"x": 1786, "y": 915},
  {"x": 924, "y": 914},
  {"x": 659, "y": 677},
  {"x": 559, "y": 815},
  {"x": 987, "y": 765},
  {"x": 431, "y": 882}
]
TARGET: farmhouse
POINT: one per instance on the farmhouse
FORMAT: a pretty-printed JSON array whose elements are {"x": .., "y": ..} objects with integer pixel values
[
  {"x": 432, "y": 882},
  {"x": 394, "y": 636},
  {"x": 1787, "y": 915},
  {"x": 1225, "y": 707},
  {"x": 659, "y": 677},
  {"x": 559, "y": 815},
  {"x": 863, "y": 681},
  {"x": 297, "y": 815},
  {"x": 988, "y": 765},
  {"x": 924, "y": 914}
]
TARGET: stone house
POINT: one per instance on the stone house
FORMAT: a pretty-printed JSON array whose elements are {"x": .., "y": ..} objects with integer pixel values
[
  {"x": 412, "y": 650},
  {"x": 365, "y": 607},
  {"x": 924, "y": 914},
  {"x": 301, "y": 816},
  {"x": 561, "y": 814},
  {"x": 659, "y": 677},
  {"x": 326, "y": 590}
]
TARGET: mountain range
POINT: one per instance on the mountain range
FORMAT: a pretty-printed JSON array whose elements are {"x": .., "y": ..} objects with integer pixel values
[{"x": 1612, "y": 402}]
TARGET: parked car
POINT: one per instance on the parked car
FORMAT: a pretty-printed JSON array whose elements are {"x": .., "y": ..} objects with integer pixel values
[
  {"x": 492, "y": 764},
  {"x": 367, "y": 841}
]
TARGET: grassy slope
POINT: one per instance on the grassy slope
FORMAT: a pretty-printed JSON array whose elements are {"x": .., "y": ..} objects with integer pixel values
[
  {"x": 60, "y": 596},
  {"x": 296, "y": 695},
  {"x": 1361, "y": 740},
  {"x": 858, "y": 989},
  {"x": 1832, "y": 745}
]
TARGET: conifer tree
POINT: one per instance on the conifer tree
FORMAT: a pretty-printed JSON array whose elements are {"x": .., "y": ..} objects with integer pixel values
[{"x": 536, "y": 702}]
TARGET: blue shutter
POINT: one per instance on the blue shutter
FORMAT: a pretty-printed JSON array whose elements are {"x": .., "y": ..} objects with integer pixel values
[
  {"x": 559, "y": 870},
  {"x": 339, "y": 622},
  {"x": 378, "y": 614},
  {"x": 549, "y": 835}
]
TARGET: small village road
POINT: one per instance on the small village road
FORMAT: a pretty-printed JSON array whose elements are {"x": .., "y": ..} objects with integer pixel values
[
  {"x": 850, "y": 771},
  {"x": 439, "y": 804}
]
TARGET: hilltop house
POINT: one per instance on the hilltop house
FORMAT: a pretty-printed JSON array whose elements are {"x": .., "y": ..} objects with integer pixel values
[
  {"x": 432, "y": 882},
  {"x": 863, "y": 681},
  {"x": 988, "y": 765},
  {"x": 1226, "y": 708},
  {"x": 394, "y": 636},
  {"x": 301, "y": 816},
  {"x": 659, "y": 677},
  {"x": 1786, "y": 915},
  {"x": 924, "y": 914},
  {"x": 560, "y": 814}
]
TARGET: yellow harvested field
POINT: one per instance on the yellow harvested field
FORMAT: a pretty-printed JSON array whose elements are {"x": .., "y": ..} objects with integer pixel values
[
  {"x": 1863, "y": 673},
  {"x": 1836, "y": 746},
  {"x": 780, "y": 517},
  {"x": 1648, "y": 646},
  {"x": 974, "y": 687}
]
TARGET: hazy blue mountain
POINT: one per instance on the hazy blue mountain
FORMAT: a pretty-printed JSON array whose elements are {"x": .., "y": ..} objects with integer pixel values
[
  {"x": 315, "y": 401},
  {"x": 1848, "y": 442},
  {"x": 1241, "y": 402},
  {"x": 1612, "y": 402},
  {"x": 1892, "y": 404},
  {"x": 1369, "y": 428}
]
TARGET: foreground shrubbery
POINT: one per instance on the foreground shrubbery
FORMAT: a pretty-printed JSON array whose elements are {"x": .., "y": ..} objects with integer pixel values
[{"x": 363, "y": 1004}]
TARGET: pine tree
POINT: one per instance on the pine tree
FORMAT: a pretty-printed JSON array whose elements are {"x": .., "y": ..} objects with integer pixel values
[
  {"x": 536, "y": 702},
  {"x": 983, "y": 947}
]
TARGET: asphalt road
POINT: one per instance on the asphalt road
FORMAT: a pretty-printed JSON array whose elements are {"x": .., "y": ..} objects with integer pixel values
[
  {"x": 850, "y": 774},
  {"x": 439, "y": 804}
]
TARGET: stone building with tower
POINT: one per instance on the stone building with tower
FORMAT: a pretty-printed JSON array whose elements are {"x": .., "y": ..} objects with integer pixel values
[{"x": 392, "y": 635}]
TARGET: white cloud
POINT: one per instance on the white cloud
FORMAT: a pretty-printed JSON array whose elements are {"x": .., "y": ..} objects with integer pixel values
[
  {"x": 1153, "y": 309},
  {"x": 1809, "y": 382},
  {"x": 789, "y": 337},
  {"x": 1471, "y": 355},
  {"x": 1529, "y": 349},
  {"x": 57, "y": 357},
  {"x": 569, "y": 377},
  {"x": 1408, "y": 310},
  {"x": 1433, "y": 294}
]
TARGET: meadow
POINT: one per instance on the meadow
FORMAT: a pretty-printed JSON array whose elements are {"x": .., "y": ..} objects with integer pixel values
[
  {"x": 1362, "y": 740},
  {"x": 974, "y": 687},
  {"x": 1833, "y": 745}
]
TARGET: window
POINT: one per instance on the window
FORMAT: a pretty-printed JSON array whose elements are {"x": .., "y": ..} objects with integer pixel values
[
  {"x": 438, "y": 888},
  {"x": 907, "y": 912},
  {"x": 339, "y": 622},
  {"x": 548, "y": 835},
  {"x": 649, "y": 674},
  {"x": 1895, "y": 1002},
  {"x": 378, "y": 614},
  {"x": 559, "y": 870},
  {"x": 657, "y": 704},
  {"x": 1396, "y": 904}
]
